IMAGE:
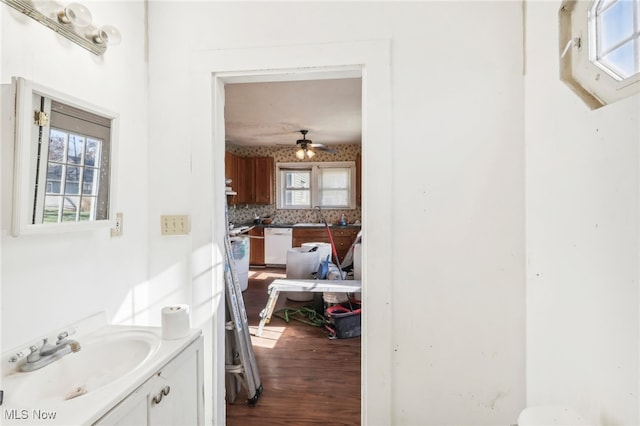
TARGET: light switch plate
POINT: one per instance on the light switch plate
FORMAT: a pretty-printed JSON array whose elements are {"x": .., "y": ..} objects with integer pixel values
[
  {"x": 116, "y": 231},
  {"x": 175, "y": 225}
]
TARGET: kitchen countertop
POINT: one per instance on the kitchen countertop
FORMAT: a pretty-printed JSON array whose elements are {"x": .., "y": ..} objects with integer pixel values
[{"x": 294, "y": 225}]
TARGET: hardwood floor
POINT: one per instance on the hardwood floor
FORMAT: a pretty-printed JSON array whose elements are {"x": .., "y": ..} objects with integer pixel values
[{"x": 307, "y": 378}]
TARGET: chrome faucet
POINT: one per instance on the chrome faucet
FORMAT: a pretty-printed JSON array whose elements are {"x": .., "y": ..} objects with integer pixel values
[
  {"x": 320, "y": 214},
  {"x": 47, "y": 353}
]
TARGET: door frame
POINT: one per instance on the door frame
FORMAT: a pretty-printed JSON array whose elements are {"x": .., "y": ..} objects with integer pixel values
[{"x": 210, "y": 71}]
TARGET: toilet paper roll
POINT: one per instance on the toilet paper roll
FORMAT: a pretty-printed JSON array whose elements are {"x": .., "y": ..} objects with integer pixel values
[{"x": 175, "y": 322}]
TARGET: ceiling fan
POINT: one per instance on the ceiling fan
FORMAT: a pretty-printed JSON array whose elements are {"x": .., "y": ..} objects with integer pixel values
[{"x": 304, "y": 147}]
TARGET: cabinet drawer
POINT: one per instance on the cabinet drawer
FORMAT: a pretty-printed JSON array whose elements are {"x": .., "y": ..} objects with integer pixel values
[
  {"x": 345, "y": 233},
  {"x": 309, "y": 232}
]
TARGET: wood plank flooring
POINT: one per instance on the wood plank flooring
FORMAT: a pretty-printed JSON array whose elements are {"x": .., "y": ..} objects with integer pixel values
[{"x": 307, "y": 378}]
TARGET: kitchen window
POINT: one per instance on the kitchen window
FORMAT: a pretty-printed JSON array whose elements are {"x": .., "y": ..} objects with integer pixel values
[
  {"x": 600, "y": 49},
  {"x": 306, "y": 185}
]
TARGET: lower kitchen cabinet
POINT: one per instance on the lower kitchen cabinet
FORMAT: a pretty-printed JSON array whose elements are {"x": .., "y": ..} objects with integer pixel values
[
  {"x": 342, "y": 237},
  {"x": 256, "y": 246},
  {"x": 172, "y": 396}
]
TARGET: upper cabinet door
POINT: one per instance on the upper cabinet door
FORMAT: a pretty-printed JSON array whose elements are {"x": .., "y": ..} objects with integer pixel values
[{"x": 263, "y": 169}]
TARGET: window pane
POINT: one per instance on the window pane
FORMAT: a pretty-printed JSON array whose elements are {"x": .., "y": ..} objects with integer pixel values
[
  {"x": 334, "y": 178},
  {"x": 334, "y": 197},
  {"x": 92, "y": 156},
  {"x": 297, "y": 179},
  {"x": 57, "y": 141},
  {"x": 87, "y": 208},
  {"x": 74, "y": 152},
  {"x": 622, "y": 60},
  {"x": 72, "y": 183},
  {"x": 604, "y": 4},
  {"x": 295, "y": 198},
  {"x": 51, "y": 208},
  {"x": 70, "y": 209},
  {"x": 90, "y": 181},
  {"x": 616, "y": 24},
  {"x": 54, "y": 179}
]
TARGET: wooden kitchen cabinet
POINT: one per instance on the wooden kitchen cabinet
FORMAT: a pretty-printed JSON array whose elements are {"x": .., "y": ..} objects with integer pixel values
[
  {"x": 252, "y": 178},
  {"x": 231, "y": 172},
  {"x": 309, "y": 235},
  {"x": 256, "y": 246},
  {"x": 263, "y": 170},
  {"x": 342, "y": 237},
  {"x": 241, "y": 177}
]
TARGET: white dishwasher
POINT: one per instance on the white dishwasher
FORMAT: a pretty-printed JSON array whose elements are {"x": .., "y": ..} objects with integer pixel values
[{"x": 277, "y": 242}]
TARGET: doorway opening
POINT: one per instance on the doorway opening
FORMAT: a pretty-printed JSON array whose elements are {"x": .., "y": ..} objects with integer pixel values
[
  {"x": 211, "y": 70},
  {"x": 263, "y": 120}
]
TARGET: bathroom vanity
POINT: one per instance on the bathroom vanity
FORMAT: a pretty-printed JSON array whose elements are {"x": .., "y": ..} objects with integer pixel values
[
  {"x": 171, "y": 396},
  {"x": 123, "y": 375}
]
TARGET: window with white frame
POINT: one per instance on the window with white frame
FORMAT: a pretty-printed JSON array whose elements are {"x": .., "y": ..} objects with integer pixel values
[
  {"x": 64, "y": 166},
  {"x": 600, "y": 49},
  {"x": 306, "y": 185}
]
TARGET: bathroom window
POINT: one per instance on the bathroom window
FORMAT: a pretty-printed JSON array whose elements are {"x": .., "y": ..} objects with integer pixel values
[
  {"x": 600, "y": 49},
  {"x": 64, "y": 171},
  {"x": 305, "y": 185},
  {"x": 614, "y": 26}
]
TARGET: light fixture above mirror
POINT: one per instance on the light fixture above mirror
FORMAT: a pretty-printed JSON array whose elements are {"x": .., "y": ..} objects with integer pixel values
[{"x": 73, "y": 22}]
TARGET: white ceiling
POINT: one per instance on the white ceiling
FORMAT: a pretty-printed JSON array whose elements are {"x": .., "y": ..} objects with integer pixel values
[{"x": 259, "y": 114}]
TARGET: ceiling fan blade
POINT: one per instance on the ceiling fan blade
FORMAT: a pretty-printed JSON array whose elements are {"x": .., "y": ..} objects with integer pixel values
[{"x": 325, "y": 149}]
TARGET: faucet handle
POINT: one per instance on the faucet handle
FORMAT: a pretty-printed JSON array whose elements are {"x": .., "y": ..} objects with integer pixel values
[
  {"x": 23, "y": 353},
  {"x": 64, "y": 334},
  {"x": 34, "y": 355}
]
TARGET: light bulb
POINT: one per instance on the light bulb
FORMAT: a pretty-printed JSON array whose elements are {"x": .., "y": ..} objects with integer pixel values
[
  {"x": 76, "y": 14},
  {"x": 310, "y": 154},
  {"x": 108, "y": 34},
  {"x": 300, "y": 154}
]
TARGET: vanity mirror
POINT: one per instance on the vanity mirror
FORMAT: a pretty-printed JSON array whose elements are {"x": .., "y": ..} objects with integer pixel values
[{"x": 64, "y": 168}]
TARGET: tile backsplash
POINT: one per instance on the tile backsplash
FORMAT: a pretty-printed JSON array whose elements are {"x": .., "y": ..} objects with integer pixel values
[{"x": 244, "y": 213}]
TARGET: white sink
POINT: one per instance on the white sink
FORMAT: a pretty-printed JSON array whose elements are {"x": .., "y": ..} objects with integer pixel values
[
  {"x": 309, "y": 224},
  {"x": 104, "y": 358}
]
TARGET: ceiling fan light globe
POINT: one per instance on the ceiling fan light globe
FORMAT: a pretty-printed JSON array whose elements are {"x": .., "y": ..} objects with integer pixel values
[
  {"x": 310, "y": 154},
  {"x": 300, "y": 154}
]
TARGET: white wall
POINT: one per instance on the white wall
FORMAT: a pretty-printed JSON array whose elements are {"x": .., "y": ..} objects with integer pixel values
[
  {"x": 52, "y": 280},
  {"x": 582, "y": 239},
  {"x": 458, "y": 213},
  {"x": 457, "y": 174}
]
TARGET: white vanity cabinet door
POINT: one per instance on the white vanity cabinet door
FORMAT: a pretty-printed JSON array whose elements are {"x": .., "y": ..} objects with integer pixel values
[
  {"x": 173, "y": 396},
  {"x": 131, "y": 411}
]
